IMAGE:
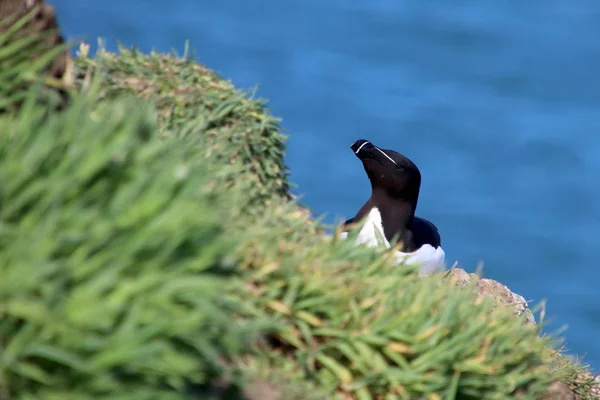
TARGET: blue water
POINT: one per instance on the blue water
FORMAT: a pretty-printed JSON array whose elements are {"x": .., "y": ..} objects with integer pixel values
[{"x": 498, "y": 103}]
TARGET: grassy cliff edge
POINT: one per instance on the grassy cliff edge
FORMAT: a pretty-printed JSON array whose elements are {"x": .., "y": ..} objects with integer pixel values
[{"x": 150, "y": 248}]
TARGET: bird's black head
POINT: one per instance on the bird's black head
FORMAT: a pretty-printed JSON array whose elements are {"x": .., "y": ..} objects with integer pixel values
[{"x": 389, "y": 172}]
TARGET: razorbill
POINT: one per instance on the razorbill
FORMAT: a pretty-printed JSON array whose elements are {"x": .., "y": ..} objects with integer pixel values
[{"x": 389, "y": 214}]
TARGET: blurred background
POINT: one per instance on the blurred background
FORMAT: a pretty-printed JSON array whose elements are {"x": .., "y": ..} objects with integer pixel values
[{"x": 498, "y": 103}]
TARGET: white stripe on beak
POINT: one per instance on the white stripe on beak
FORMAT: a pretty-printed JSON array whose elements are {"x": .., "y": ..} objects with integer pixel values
[{"x": 361, "y": 146}]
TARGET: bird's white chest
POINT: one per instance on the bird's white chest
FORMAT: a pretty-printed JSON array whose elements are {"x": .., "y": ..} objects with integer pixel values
[
  {"x": 430, "y": 258},
  {"x": 372, "y": 233}
]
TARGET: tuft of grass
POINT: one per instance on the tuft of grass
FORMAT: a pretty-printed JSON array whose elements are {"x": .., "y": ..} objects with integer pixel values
[
  {"x": 574, "y": 373},
  {"x": 225, "y": 126},
  {"x": 112, "y": 255}
]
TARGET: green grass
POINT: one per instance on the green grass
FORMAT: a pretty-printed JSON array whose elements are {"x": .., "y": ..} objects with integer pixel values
[
  {"x": 228, "y": 126},
  {"x": 113, "y": 256}
]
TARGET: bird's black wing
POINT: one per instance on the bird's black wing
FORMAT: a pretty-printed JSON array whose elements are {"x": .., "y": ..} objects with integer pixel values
[{"x": 425, "y": 232}]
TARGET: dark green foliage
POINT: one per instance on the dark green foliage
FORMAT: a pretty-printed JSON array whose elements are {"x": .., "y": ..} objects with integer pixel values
[{"x": 111, "y": 258}]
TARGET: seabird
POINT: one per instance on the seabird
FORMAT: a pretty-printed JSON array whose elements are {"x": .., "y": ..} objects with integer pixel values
[{"x": 389, "y": 214}]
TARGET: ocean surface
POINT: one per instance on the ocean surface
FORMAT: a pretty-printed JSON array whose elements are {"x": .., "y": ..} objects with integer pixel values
[{"x": 498, "y": 103}]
